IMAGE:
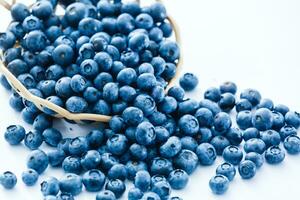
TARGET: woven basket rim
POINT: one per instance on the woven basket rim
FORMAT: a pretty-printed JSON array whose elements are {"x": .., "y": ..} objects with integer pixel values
[{"x": 62, "y": 112}]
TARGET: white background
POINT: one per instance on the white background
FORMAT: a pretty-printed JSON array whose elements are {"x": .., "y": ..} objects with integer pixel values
[{"x": 253, "y": 43}]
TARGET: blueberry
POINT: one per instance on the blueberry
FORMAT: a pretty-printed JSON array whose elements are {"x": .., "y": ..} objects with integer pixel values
[
  {"x": 205, "y": 135},
  {"x": 252, "y": 95},
  {"x": 19, "y": 12},
  {"x": 278, "y": 120},
  {"x": 188, "y": 143},
  {"x": 244, "y": 119},
  {"x": 146, "y": 81},
  {"x": 255, "y": 145},
  {"x": 227, "y": 170},
  {"x": 4, "y": 82},
  {"x": 17, "y": 29},
  {"x": 106, "y": 8},
  {"x": 142, "y": 180},
  {"x": 78, "y": 146},
  {"x": 91, "y": 160},
  {"x": 102, "y": 107},
  {"x": 227, "y": 102},
  {"x": 63, "y": 55},
  {"x": 250, "y": 133},
  {"x": 42, "y": 9},
  {"x": 283, "y": 109},
  {"x": 168, "y": 105},
  {"x": 219, "y": 184},
  {"x": 76, "y": 104},
  {"x": 145, "y": 133},
  {"x": 38, "y": 73},
  {"x": 159, "y": 65},
  {"x": 220, "y": 143},
  {"x": 28, "y": 115},
  {"x": 176, "y": 92},
  {"x": 186, "y": 160},
  {"x": 176, "y": 198},
  {"x": 178, "y": 179},
  {"x": 64, "y": 196},
  {"x": 104, "y": 61},
  {"x": 50, "y": 186},
  {"x": 47, "y": 87},
  {"x": 205, "y": 117},
  {"x": 274, "y": 155},
  {"x": 102, "y": 79},
  {"x": 144, "y": 21},
  {"x": 8, "y": 180},
  {"x": 27, "y": 80},
  {"x": 116, "y": 186},
  {"x": 156, "y": 34},
  {"x": 292, "y": 144},
  {"x": 14, "y": 134},
  {"x": 95, "y": 138},
  {"x": 150, "y": 196},
  {"x": 55, "y": 100},
  {"x": 212, "y": 94},
  {"x": 30, "y": 177},
  {"x": 188, "y": 125},
  {"x": 42, "y": 122},
  {"x": 134, "y": 193},
  {"x": 52, "y": 136},
  {"x": 71, "y": 183},
  {"x": 118, "y": 171},
  {"x": 162, "y": 188},
  {"x": 158, "y": 12},
  {"x": 53, "y": 32},
  {"x": 222, "y": 122},
  {"x": 171, "y": 147},
  {"x": 247, "y": 169},
  {"x": 206, "y": 154},
  {"x": 91, "y": 94},
  {"x": 138, "y": 42},
  {"x": 54, "y": 72},
  {"x": 270, "y": 138},
  {"x": 56, "y": 157},
  {"x": 89, "y": 26},
  {"x": 138, "y": 152},
  {"x": 292, "y": 119},
  {"x": 111, "y": 92},
  {"x": 33, "y": 140},
  {"x": 243, "y": 104},
  {"x": 7, "y": 40},
  {"x": 38, "y": 161},
  {"x": 106, "y": 195},
  {"x": 93, "y": 180},
  {"x": 11, "y": 54},
  {"x": 166, "y": 28},
  {"x": 17, "y": 67},
  {"x": 78, "y": 83},
  {"x": 228, "y": 87},
  {"x": 158, "y": 93},
  {"x": 64, "y": 145},
  {"x": 256, "y": 158},
  {"x": 234, "y": 135},
  {"x": 161, "y": 166},
  {"x": 134, "y": 166},
  {"x": 262, "y": 119},
  {"x": 72, "y": 164},
  {"x": 170, "y": 71},
  {"x": 146, "y": 103},
  {"x": 127, "y": 76},
  {"x": 107, "y": 161},
  {"x": 36, "y": 41},
  {"x": 117, "y": 144},
  {"x": 233, "y": 155},
  {"x": 266, "y": 103},
  {"x": 188, "y": 81}
]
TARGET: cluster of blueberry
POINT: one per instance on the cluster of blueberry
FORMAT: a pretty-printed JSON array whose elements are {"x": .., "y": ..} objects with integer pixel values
[
  {"x": 94, "y": 59},
  {"x": 154, "y": 139}
]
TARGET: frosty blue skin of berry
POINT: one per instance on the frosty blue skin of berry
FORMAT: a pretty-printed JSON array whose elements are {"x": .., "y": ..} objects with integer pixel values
[
  {"x": 127, "y": 93},
  {"x": 130, "y": 58},
  {"x": 11, "y": 54},
  {"x": 42, "y": 9},
  {"x": 93, "y": 180},
  {"x": 278, "y": 120},
  {"x": 28, "y": 115},
  {"x": 117, "y": 124},
  {"x": 17, "y": 29},
  {"x": 71, "y": 183},
  {"x": 212, "y": 94},
  {"x": 188, "y": 143},
  {"x": 117, "y": 144},
  {"x": 188, "y": 81},
  {"x": 250, "y": 133},
  {"x": 36, "y": 41},
  {"x": 206, "y": 154},
  {"x": 106, "y": 195},
  {"x": 56, "y": 100},
  {"x": 19, "y": 12},
  {"x": 56, "y": 157},
  {"x": 158, "y": 178},
  {"x": 146, "y": 103},
  {"x": 63, "y": 55},
  {"x": 171, "y": 147},
  {"x": 116, "y": 186},
  {"x": 150, "y": 195},
  {"x": 72, "y": 70},
  {"x": 262, "y": 119},
  {"x": 274, "y": 155},
  {"x": 255, "y": 145},
  {"x": 47, "y": 87},
  {"x": 142, "y": 180},
  {"x": 146, "y": 81},
  {"x": 14, "y": 134},
  {"x": 178, "y": 179},
  {"x": 156, "y": 34},
  {"x": 109, "y": 24},
  {"x": 38, "y": 73},
  {"x": 101, "y": 79},
  {"x": 169, "y": 50},
  {"x": 42, "y": 122},
  {"x": 242, "y": 105},
  {"x": 270, "y": 138},
  {"x": 74, "y": 13},
  {"x": 227, "y": 170},
  {"x": 53, "y": 32},
  {"x": 111, "y": 92},
  {"x": 29, "y": 57},
  {"x": 4, "y": 82},
  {"x": 168, "y": 105},
  {"x": 78, "y": 83},
  {"x": 104, "y": 61},
  {"x": 8, "y": 180},
  {"x": 266, "y": 103},
  {"x": 50, "y": 186},
  {"x": 159, "y": 65},
  {"x": 256, "y": 158},
  {"x": 170, "y": 71},
  {"x": 127, "y": 76},
  {"x": 228, "y": 87},
  {"x": 222, "y": 122},
  {"x": 91, "y": 94},
  {"x": 134, "y": 166},
  {"x": 72, "y": 164},
  {"x": 247, "y": 169},
  {"x": 161, "y": 166},
  {"x": 134, "y": 193},
  {"x": 138, "y": 42},
  {"x": 101, "y": 107},
  {"x": 244, "y": 119},
  {"x": 89, "y": 26},
  {"x": 33, "y": 140},
  {"x": 227, "y": 102},
  {"x": 17, "y": 67},
  {"x": 30, "y": 177},
  {"x": 118, "y": 107},
  {"x": 166, "y": 28},
  {"x": 292, "y": 144},
  {"x": 64, "y": 145},
  {"x": 86, "y": 51},
  {"x": 15, "y": 101},
  {"x": 138, "y": 152},
  {"x": 27, "y": 80},
  {"x": 283, "y": 109},
  {"x": 162, "y": 188},
  {"x": 76, "y": 104},
  {"x": 219, "y": 184},
  {"x": 63, "y": 196},
  {"x": 233, "y": 155},
  {"x": 186, "y": 160},
  {"x": 204, "y": 117},
  {"x": 235, "y": 136},
  {"x": 38, "y": 160},
  {"x": 54, "y": 72},
  {"x": 292, "y": 119},
  {"x": 158, "y": 93},
  {"x": 78, "y": 146},
  {"x": 7, "y": 40},
  {"x": 220, "y": 143},
  {"x": 145, "y": 68},
  {"x": 144, "y": 21},
  {"x": 95, "y": 138},
  {"x": 89, "y": 69},
  {"x": 188, "y": 125},
  {"x": 118, "y": 171},
  {"x": 252, "y": 95},
  {"x": 107, "y": 161},
  {"x": 145, "y": 133},
  {"x": 91, "y": 160},
  {"x": 205, "y": 135},
  {"x": 29, "y": 104},
  {"x": 176, "y": 92}
]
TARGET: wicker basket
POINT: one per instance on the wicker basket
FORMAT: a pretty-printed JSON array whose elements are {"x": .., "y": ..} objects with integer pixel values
[{"x": 61, "y": 112}]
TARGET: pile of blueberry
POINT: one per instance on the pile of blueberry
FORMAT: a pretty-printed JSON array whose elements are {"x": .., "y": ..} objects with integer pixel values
[{"x": 154, "y": 139}]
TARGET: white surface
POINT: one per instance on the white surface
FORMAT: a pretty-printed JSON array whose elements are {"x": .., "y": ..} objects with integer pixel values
[{"x": 254, "y": 43}]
